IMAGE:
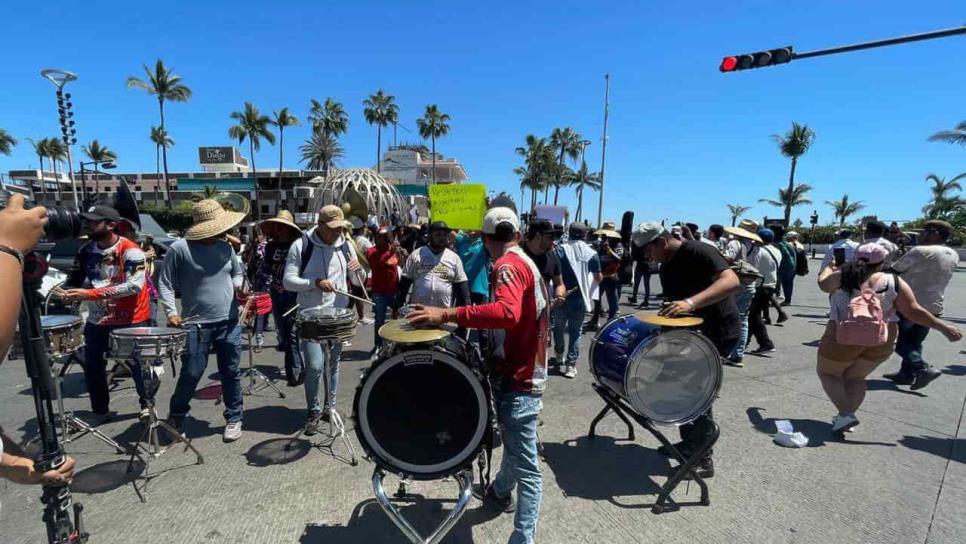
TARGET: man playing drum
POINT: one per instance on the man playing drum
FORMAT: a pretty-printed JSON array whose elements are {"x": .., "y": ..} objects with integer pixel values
[
  {"x": 435, "y": 273},
  {"x": 207, "y": 272},
  {"x": 113, "y": 269},
  {"x": 318, "y": 265},
  {"x": 519, "y": 317},
  {"x": 696, "y": 279}
]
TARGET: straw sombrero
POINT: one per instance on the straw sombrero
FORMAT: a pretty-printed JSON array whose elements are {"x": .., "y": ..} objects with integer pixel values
[
  {"x": 610, "y": 233},
  {"x": 283, "y": 220},
  {"x": 210, "y": 220},
  {"x": 745, "y": 229}
]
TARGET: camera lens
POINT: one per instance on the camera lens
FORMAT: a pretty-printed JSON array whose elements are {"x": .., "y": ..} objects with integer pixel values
[{"x": 62, "y": 223}]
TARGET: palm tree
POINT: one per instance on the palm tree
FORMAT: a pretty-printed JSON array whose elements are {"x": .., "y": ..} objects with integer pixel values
[
  {"x": 943, "y": 203},
  {"x": 282, "y": 119},
  {"x": 584, "y": 178},
  {"x": 737, "y": 210},
  {"x": 790, "y": 199},
  {"x": 377, "y": 112},
  {"x": 207, "y": 193},
  {"x": 320, "y": 152},
  {"x": 161, "y": 139},
  {"x": 96, "y": 152},
  {"x": 56, "y": 152},
  {"x": 392, "y": 117},
  {"x": 793, "y": 145},
  {"x": 7, "y": 142},
  {"x": 954, "y": 136},
  {"x": 842, "y": 209},
  {"x": 433, "y": 124},
  {"x": 166, "y": 86},
  {"x": 329, "y": 118},
  {"x": 566, "y": 142},
  {"x": 40, "y": 148},
  {"x": 539, "y": 161},
  {"x": 254, "y": 126}
]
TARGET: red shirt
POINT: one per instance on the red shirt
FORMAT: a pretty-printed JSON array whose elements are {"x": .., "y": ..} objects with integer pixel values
[
  {"x": 521, "y": 356},
  {"x": 385, "y": 274}
]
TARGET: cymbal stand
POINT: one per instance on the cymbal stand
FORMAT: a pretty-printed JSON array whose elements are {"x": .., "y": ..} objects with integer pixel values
[
  {"x": 152, "y": 447},
  {"x": 254, "y": 374},
  {"x": 464, "y": 480}
]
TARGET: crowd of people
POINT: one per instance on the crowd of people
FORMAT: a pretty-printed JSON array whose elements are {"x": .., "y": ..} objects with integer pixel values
[{"x": 536, "y": 286}]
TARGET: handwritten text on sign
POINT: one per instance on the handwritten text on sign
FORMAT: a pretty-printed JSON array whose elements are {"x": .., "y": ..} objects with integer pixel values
[{"x": 460, "y": 206}]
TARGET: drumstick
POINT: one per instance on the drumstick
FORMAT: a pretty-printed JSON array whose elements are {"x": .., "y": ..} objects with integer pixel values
[
  {"x": 360, "y": 299},
  {"x": 292, "y": 309}
]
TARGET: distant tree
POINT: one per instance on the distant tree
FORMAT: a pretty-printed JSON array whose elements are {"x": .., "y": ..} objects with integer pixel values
[
  {"x": 793, "y": 144},
  {"x": 380, "y": 110},
  {"x": 737, "y": 210},
  {"x": 320, "y": 152},
  {"x": 282, "y": 118},
  {"x": 160, "y": 138},
  {"x": 40, "y": 148},
  {"x": 943, "y": 203},
  {"x": 254, "y": 126},
  {"x": 843, "y": 209},
  {"x": 954, "y": 136},
  {"x": 7, "y": 142},
  {"x": 582, "y": 180},
  {"x": 790, "y": 199},
  {"x": 97, "y": 152},
  {"x": 433, "y": 124},
  {"x": 566, "y": 142},
  {"x": 329, "y": 118}
]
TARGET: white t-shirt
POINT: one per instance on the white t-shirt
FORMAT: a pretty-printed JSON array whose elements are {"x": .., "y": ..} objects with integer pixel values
[
  {"x": 768, "y": 260},
  {"x": 849, "y": 246},
  {"x": 363, "y": 243},
  {"x": 928, "y": 269},
  {"x": 433, "y": 276}
]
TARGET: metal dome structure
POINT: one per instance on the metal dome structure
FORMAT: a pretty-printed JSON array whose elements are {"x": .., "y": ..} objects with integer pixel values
[{"x": 380, "y": 196}]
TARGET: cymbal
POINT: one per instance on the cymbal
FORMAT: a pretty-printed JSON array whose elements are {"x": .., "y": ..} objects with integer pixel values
[
  {"x": 662, "y": 321},
  {"x": 399, "y": 330}
]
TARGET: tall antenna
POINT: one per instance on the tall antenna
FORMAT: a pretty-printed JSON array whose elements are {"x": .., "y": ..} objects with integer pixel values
[{"x": 603, "y": 150}]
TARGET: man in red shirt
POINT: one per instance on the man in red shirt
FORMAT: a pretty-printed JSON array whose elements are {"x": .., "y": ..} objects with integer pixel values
[
  {"x": 384, "y": 259},
  {"x": 518, "y": 317}
]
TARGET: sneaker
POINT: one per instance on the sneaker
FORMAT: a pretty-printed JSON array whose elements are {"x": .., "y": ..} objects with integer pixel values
[
  {"x": 346, "y": 344},
  {"x": 571, "y": 372},
  {"x": 644, "y": 305},
  {"x": 145, "y": 414},
  {"x": 900, "y": 378},
  {"x": 259, "y": 343},
  {"x": 312, "y": 424},
  {"x": 763, "y": 350},
  {"x": 632, "y": 300},
  {"x": 843, "y": 423},
  {"x": 704, "y": 469},
  {"x": 233, "y": 431},
  {"x": 501, "y": 504},
  {"x": 785, "y": 303},
  {"x": 367, "y": 321},
  {"x": 734, "y": 362},
  {"x": 591, "y": 326},
  {"x": 782, "y": 317},
  {"x": 924, "y": 376}
]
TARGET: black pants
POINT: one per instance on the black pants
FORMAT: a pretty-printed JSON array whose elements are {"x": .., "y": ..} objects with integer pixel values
[
  {"x": 610, "y": 287},
  {"x": 642, "y": 271},
  {"x": 756, "y": 322},
  {"x": 699, "y": 431},
  {"x": 97, "y": 344}
]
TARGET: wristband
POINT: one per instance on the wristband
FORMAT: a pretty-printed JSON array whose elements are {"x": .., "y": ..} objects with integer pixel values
[
  {"x": 690, "y": 303},
  {"x": 13, "y": 253}
]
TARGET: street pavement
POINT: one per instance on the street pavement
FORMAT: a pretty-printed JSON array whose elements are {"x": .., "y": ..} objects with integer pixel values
[{"x": 899, "y": 478}]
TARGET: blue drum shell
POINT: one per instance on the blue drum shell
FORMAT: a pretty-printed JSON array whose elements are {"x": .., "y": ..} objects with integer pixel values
[{"x": 612, "y": 348}]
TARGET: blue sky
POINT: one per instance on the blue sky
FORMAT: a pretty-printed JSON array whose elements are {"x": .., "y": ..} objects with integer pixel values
[{"x": 684, "y": 139}]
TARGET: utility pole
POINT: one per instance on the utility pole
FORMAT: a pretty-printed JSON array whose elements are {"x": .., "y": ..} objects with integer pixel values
[{"x": 603, "y": 150}]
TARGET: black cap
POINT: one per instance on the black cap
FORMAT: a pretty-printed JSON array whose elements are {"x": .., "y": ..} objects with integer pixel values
[
  {"x": 101, "y": 213},
  {"x": 541, "y": 226},
  {"x": 439, "y": 225}
]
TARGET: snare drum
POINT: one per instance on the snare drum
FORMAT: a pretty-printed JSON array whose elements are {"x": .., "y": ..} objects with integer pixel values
[
  {"x": 670, "y": 376},
  {"x": 323, "y": 324},
  {"x": 63, "y": 336},
  {"x": 423, "y": 411},
  {"x": 149, "y": 342}
]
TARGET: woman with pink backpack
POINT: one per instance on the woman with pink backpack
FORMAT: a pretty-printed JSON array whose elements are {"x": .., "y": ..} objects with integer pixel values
[{"x": 862, "y": 328}]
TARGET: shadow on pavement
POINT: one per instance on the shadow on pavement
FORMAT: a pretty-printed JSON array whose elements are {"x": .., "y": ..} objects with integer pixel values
[
  {"x": 274, "y": 419},
  {"x": 277, "y": 451},
  {"x": 354, "y": 355},
  {"x": 370, "y": 524},
  {"x": 948, "y": 448},
  {"x": 888, "y": 385},
  {"x": 816, "y": 431},
  {"x": 955, "y": 370},
  {"x": 811, "y": 316},
  {"x": 603, "y": 468},
  {"x": 105, "y": 477}
]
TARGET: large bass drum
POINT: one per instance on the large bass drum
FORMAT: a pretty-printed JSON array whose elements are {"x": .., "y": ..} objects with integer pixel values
[
  {"x": 668, "y": 376},
  {"x": 423, "y": 411}
]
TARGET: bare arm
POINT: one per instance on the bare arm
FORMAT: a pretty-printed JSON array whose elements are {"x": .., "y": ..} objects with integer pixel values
[
  {"x": 725, "y": 283},
  {"x": 906, "y": 303},
  {"x": 830, "y": 279}
]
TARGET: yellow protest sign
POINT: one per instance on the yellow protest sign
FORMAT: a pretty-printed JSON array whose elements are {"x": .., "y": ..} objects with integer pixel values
[{"x": 460, "y": 206}]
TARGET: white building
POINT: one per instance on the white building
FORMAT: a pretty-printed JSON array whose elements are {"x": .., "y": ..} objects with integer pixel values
[{"x": 413, "y": 165}]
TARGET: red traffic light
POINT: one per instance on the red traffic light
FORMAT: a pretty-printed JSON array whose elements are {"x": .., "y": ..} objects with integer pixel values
[
  {"x": 758, "y": 59},
  {"x": 728, "y": 64}
]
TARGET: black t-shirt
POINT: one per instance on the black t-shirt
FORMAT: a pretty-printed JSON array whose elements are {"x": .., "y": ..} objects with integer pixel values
[
  {"x": 548, "y": 264},
  {"x": 692, "y": 270}
]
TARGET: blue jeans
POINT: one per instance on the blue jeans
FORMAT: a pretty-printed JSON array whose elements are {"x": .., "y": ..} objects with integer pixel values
[
  {"x": 225, "y": 336},
  {"x": 288, "y": 341},
  {"x": 517, "y": 414},
  {"x": 96, "y": 345},
  {"x": 743, "y": 300},
  {"x": 383, "y": 302},
  {"x": 314, "y": 356},
  {"x": 568, "y": 317},
  {"x": 909, "y": 346},
  {"x": 788, "y": 284}
]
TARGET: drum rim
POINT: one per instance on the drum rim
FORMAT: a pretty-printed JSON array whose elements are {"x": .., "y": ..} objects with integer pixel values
[
  {"x": 634, "y": 361},
  {"x": 71, "y": 322},
  {"x": 380, "y": 456},
  {"x": 340, "y": 313},
  {"x": 596, "y": 341},
  {"x": 165, "y": 332}
]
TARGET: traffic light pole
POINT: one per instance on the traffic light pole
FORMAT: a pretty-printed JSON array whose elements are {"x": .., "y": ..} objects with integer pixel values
[{"x": 882, "y": 43}]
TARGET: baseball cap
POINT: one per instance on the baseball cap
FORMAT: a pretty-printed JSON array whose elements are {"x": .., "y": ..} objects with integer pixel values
[
  {"x": 332, "y": 216},
  {"x": 872, "y": 252},
  {"x": 101, "y": 213},
  {"x": 357, "y": 222},
  {"x": 498, "y": 215},
  {"x": 439, "y": 225},
  {"x": 542, "y": 226},
  {"x": 766, "y": 234},
  {"x": 647, "y": 232}
]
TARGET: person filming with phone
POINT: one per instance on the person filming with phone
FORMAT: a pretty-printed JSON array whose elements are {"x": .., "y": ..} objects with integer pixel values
[{"x": 845, "y": 248}]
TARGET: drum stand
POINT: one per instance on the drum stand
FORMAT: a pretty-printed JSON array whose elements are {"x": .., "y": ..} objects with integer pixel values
[
  {"x": 254, "y": 374},
  {"x": 686, "y": 466},
  {"x": 152, "y": 447},
  {"x": 463, "y": 479}
]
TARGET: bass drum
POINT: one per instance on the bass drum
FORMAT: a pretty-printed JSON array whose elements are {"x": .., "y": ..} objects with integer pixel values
[
  {"x": 423, "y": 411},
  {"x": 668, "y": 376}
]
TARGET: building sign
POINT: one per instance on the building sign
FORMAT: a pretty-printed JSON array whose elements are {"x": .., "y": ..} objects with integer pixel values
[{"x": 216, "y": 155}]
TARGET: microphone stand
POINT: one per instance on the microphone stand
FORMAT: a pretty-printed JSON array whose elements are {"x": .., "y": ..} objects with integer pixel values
[{"x": 61, "y": 529}]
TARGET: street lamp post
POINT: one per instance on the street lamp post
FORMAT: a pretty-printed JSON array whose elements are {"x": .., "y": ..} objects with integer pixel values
[
  {"x": 106, "y": 164},
  {"x": 811, "y": 238},
  {"x": 69, "y": 135}
]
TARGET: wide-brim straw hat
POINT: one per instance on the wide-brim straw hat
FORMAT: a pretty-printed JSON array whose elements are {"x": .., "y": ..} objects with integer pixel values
[
  {"x": 742, "y": 233},
  {"x": 608, "y": 233},
  {"x": 282, "y": 220},
  {"x": 210, "y": 220}
]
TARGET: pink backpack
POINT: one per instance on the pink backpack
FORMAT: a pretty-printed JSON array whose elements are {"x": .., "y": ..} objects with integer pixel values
[{"x": 862, "y": 322}]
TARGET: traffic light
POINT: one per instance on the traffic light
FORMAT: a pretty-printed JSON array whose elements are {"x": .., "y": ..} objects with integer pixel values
[{"x": 756, "y": 60}]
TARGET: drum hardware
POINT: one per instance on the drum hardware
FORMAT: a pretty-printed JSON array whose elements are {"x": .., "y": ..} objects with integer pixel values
[
  {"x": 143, "y": 349},
  {"x": 464, "y": 481},
  {"x": 664, "y": 375},
  {"x": 251, "y": 372}
]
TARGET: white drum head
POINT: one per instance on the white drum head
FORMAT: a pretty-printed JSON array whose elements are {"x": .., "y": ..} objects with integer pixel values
[{"x": 674, "y": 377}]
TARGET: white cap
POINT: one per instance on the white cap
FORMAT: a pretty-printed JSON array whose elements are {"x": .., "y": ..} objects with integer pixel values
[
  {"x": 495, "y": 216},
  {"x": 647, "y": 232}
]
